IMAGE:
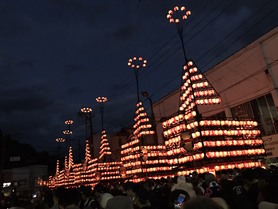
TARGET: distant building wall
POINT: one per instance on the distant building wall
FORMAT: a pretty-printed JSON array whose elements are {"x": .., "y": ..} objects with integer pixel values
[
  {"x": 116, "y": 140},
  {"x": 25, "y": 178}
]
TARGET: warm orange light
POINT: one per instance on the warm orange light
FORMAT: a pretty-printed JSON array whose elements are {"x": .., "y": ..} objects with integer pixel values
[
  {"x": 60, "y": 140},
  {"x": 69, "y": 122},
  {"x": 67, "y": 132},
  {"x": 137, "y": 63},
  {"x": 176, "y": 18},
  {"x": 101, "y": 99},
  {"x": 86, "y": 109}
]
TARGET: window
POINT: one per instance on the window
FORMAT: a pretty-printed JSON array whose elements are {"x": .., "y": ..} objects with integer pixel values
[
  {"x": 220, "y": 115},
  {"x": 242, "y": 111},
  {"x": 262, "y": 110}
]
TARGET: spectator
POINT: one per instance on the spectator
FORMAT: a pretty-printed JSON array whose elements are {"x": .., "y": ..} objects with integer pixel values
[
  {"x": 220, "y": 201},
  {"x": 105, "y": 197},
  {"x": 87, "y": 199},
  {"x": 142, "y": 199},
  {"x": 131, "y": 189},
  {"x": 211, "y": 186},
  {"x": 69, "y": 198},
  {"x": 269, "y": 193},
  {"x": 185, "y": 186},
  {"x": 201, "y": 202},
  {"x": 119, "y": 202}
]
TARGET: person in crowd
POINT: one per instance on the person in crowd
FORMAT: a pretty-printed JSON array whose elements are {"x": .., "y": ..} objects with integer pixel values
[
  {"x": 235, "y": 193},
  {"x": 2, "y": 201},
  {"x": 165, "y": 192},
  {"x": 69, "y": 198},
  {"x": 105, "y": 197},
  {"x": 211, "y": 186},
  {"x": 182, "y": 184},
  {"x": 142, "y": 199},
  {"x": 118, "y": 189},
  {"x": 254, "y": 179},
  {"x": 233, "y": 189},
  {"x": 268, "y": 196},
  {"x": 55, "y": 199},
  {"x": 154, "y": 194},
  {"x": 87, "y": 199},
  {"x": 43, "y": 199},
  {"x": 201, "y": 202},
  {"x": 220, "y": 201},
  {"x": 119, "y": 202},
  {"x": 131, "y": 189},
  {"x": 181, "y": 192},
  {"x": 98, "y": 190}
]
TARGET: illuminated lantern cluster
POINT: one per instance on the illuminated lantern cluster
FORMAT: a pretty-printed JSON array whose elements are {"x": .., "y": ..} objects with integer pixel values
[
  {"x": 69, "y": 122},
  {"x": 147, "y": 161},
  {"x": 70, "y": 158},
  {"x": 108, "y": 171},
  {"x": 210, "y": 139},
  {"x": 142, "y": 161},
  {"x": 66, "y": 163},
  {"x": 135, "y": 141},
  {"x": 87, "y": 152},
  {"x": 178, "y": 14},
  {"x": 196, "y": 89},
  {"x": 247, "y": 123},
  {"x": 67, "y": 132},
  {"x": 86, "y": 110},
  {"x": 101, "y": 99},
  {"x": 142, "y": 124},
  {"x": 222, "y": 166},
  {"x": 130, "y": 156},
  {"x": 60, "y": 140},
  {"x": 104, "y": 145},
  {"x": 235, "y": 153},
  {"x": 137, "y": 63},
  {"x": 57, "y": 168}
]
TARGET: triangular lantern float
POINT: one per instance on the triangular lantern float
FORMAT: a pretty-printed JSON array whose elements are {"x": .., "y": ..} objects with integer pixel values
[
  {"x": 204, "y": 144},
  {"x": 107, "y": 170}
]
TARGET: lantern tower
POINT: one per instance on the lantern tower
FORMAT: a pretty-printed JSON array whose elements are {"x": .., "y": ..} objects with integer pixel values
[{"x": 205, "y": 144}]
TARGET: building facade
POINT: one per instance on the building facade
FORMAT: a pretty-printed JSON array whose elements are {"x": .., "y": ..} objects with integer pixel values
[{"x": 24, "y": 178}]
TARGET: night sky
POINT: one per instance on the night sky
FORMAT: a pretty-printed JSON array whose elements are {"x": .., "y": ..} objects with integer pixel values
[{"x": 57, "y": 56}]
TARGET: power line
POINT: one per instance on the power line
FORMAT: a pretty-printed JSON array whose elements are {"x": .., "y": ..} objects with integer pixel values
[
  {"x": 239, "y": 27},
  {"x": 128, "y": 84},
  {"x": 207, "y": 52}
]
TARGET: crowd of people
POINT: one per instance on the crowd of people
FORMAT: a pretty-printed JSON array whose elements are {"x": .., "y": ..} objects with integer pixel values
[{"x": 255, "y": 188}]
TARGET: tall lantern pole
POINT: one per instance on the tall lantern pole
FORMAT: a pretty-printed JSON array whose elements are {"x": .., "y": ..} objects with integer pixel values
[
  {"x": 178, "y": 16},
  {"x": 142, "y": 126},
  {"x": 68, "y": 132},
  {"x": 146, "y": 94},
  {"x": 87, "y": 112},
  {"x": 195, "y": 90},
  {"x": 101, "y": 101},
  {"x": 59, "y": 141},
  {"x": 137, "y": 63},
  {"x": 104, "y": 144}
]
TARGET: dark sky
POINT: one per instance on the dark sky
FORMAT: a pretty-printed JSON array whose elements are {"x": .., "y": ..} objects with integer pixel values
[{"x": 57, "y": 56}]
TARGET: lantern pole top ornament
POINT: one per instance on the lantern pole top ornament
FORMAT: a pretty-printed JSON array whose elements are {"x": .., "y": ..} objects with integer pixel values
[
  {"x": 178, "y": 14},
  {"x": 137, "y": 63},
  {"x": 101, "y": 99}
]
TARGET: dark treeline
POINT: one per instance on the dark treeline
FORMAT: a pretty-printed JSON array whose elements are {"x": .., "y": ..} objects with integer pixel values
[{"x": 25, "y": 154}]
